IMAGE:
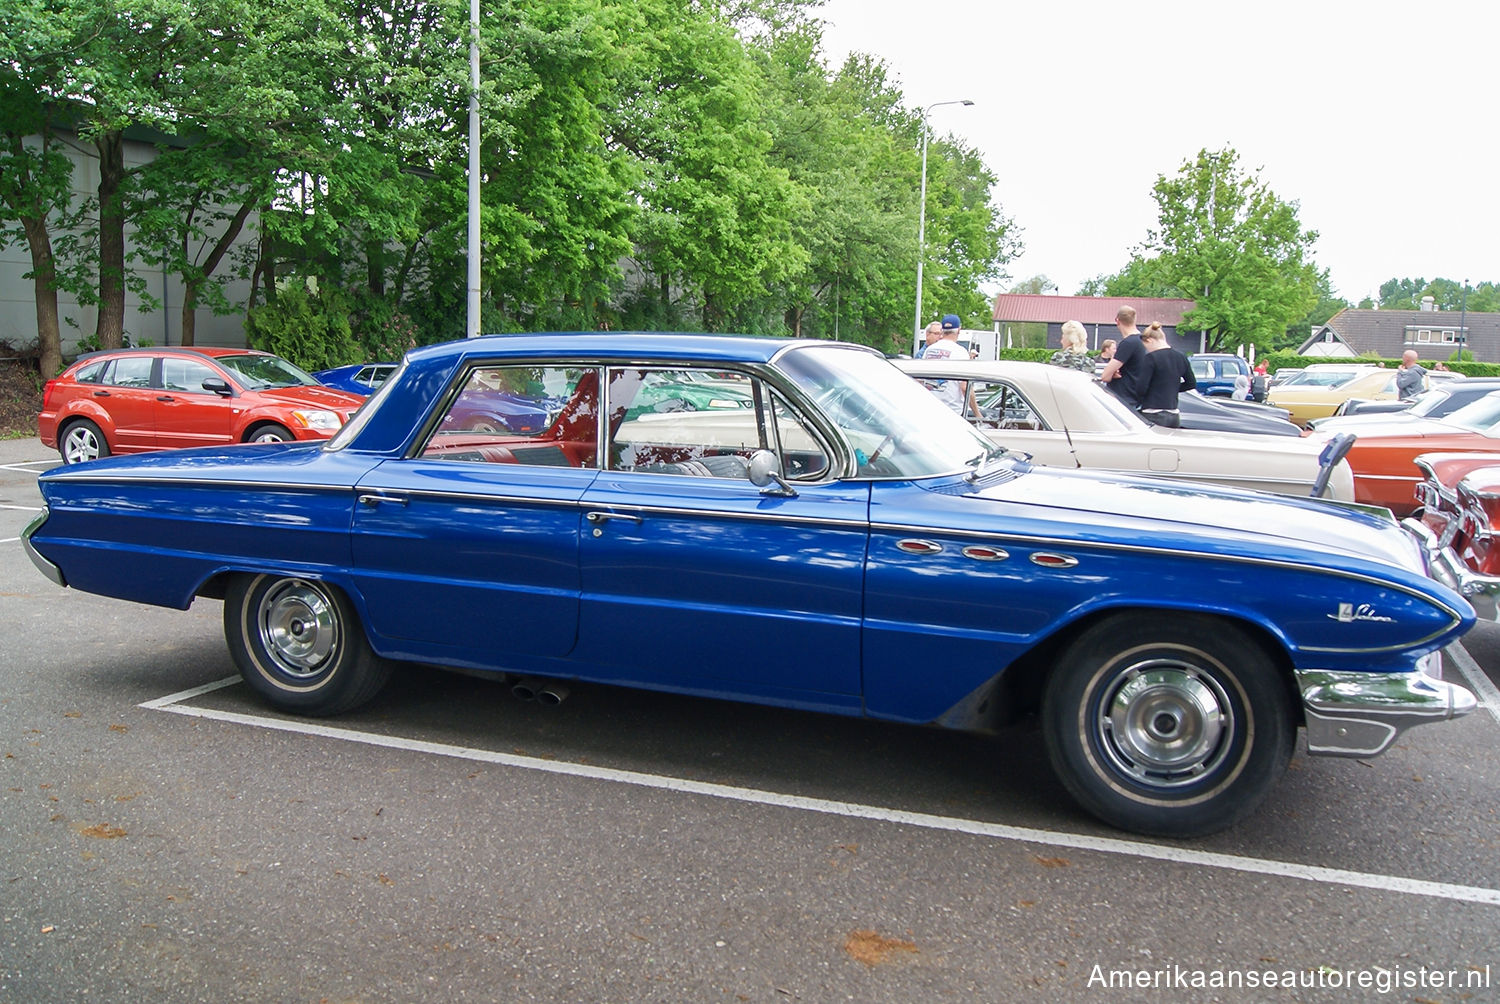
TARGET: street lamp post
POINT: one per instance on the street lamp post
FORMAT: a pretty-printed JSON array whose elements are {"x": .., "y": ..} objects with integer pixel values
[
  {"x": 922, "y": 213},
  {"x": 1463, "y": 337}
]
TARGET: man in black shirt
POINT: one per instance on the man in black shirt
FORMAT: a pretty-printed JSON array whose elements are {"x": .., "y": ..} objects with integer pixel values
[{"x": 1125, "y": 374}]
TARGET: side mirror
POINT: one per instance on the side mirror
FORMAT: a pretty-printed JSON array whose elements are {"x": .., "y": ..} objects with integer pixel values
[
  {"x": 765, "y": 471},
  {"x": 218, "y": 386}
]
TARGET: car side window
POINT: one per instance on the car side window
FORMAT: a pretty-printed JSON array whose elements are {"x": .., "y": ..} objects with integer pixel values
[
  {"x": 131, "y": 371},
  {"x": 545, "y": 416},
  {"x": 93, "y": 372},
  {"x": 185, "y": 375},
  {"x": 1002, "y": 406},
  {"x": 1202, "y": 368},
  {"x": 684, "y": 421},
  {"x": 803, "y": 457}
]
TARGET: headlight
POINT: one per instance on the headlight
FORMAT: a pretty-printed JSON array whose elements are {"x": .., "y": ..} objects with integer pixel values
[{"x": 316, "y": 419}]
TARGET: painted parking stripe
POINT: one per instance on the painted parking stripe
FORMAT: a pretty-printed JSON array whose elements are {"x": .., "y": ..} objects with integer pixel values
[
  {"x": 22, "y": 508},
  {"x": 852, "y": 810}
]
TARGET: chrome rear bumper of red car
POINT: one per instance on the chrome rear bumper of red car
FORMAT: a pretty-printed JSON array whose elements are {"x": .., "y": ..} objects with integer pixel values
[{"x": 1443, "y": 564}]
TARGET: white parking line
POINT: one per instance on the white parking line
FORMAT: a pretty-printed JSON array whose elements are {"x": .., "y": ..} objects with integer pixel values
[
  {"x": 26, "y": 465},
  {"x": 852, "y": 810},
  {"x": 23, "y": 508},
  {"x": 1489, "y": 696}
]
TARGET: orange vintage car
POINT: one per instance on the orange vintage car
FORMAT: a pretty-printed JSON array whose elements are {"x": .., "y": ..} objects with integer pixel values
[{"x": 1383, "y": 458}]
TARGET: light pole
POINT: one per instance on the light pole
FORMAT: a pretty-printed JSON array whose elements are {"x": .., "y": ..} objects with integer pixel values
[
  {"x": 1463, "y": 338},
  {"x": 922, "y": 214}
]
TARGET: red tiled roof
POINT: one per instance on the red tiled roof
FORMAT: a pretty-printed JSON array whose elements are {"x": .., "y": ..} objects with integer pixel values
[{"x": 1017, "y": 307}]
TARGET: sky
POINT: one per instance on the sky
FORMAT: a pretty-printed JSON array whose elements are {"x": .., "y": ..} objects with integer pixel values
[{"x": 1379, "y": 120}]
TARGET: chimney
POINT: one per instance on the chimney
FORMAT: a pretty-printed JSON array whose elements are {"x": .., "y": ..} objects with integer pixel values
[{"x": 1429, "y": 302}]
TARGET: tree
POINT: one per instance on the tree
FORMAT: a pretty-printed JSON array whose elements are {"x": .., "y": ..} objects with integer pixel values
[
  {"x": 1233, "y": 246},
  {"x": 1328, "y": 304}
]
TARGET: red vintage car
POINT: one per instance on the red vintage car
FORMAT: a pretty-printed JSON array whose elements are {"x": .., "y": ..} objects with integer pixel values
[
  {"x": 136, "y": 400},
  {"x": 1384, "y": 456},
  {"x": 1459, "y": 518}
]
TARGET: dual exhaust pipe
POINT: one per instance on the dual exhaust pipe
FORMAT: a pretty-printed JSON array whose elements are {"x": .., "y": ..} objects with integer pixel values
[{"x": 548, "y": 692}]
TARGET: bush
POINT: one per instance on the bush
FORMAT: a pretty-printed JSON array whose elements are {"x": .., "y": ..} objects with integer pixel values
[{"x": 308, "y": 327}]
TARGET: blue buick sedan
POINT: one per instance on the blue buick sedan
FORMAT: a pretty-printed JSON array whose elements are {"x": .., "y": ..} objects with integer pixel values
[{"x": 845, "y": 543}]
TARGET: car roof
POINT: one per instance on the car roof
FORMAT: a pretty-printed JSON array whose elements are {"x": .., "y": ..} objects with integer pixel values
[
  {"x": 212, "y": 351},
  {"x": 624, "y": 345}
]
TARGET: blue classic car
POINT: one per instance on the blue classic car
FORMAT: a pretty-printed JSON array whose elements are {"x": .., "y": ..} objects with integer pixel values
[
  {"x": 845, "y": 544},
  {"x": 358, "y": 378}
]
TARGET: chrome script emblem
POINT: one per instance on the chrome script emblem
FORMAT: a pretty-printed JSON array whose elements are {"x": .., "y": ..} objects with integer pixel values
[{"x": 1349, "y": 613}]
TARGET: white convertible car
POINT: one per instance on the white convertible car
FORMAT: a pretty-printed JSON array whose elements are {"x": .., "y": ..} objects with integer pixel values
[{"x": 1064, "y": 418}]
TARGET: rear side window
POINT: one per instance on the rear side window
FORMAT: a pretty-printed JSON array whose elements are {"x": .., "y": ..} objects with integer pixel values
[
  {"x": 93, "y": 372},
  {"x": 131, "y": 371}
]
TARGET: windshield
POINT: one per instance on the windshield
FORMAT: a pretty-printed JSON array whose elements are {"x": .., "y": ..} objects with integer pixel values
[
  {"x": 896, "y": 427},
  {"x": 1481, "y": 416},
  {"x": 261, "y": 372},
  {"x": 1427, "y": 402}
]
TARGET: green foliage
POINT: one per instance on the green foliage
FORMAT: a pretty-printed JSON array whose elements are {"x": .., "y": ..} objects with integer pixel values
[
  {"x": 1406, "y": 294},
  {"x": 308, "y": 327},
  {"x": 1227, "y": 242}
]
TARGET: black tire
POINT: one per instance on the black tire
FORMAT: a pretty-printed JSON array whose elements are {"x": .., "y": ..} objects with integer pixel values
[
  {"x": 81, "y": 440},
  {"x": 268, "y": 434},
  {"x": 299, "y": 645},
  {"x": 1170, "y": 725}
]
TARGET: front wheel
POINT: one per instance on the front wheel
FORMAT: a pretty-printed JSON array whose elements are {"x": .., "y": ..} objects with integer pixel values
[
  {"x": 270, "y": 434},
  {"x": 299, "y": 645},
  {"x": 1168, "y": 726}
]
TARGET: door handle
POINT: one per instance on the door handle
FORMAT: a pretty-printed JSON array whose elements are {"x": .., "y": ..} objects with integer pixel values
[
  {"x": 166, "y": 397},
  {"x": 599, "y": 518},
  {"x": 373, "y": 500},
  {"x": 101, "y": 393}
]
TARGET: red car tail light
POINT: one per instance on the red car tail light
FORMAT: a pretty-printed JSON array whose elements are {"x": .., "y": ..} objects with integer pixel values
[{"x": 47, "y": 394}]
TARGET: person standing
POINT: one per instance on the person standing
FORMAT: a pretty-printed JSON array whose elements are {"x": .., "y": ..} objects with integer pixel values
[
  {"x": 1074, "y": 353},
  {"x": 1167, "y": 375},
  {"x": 951, "y": 392},
  {"x": 1106, "y": 353},
  {"x": 1125, "y": 374},
  {"x": 1411, "y": 378},
  {"x": 932, "y": 334}
]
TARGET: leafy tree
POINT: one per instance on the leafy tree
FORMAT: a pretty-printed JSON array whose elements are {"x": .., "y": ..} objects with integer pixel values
[
  {"x": 1447, "y": 294},
  {"x": 1141, "y": 277},
  {"x": 1328, "y": 304},
  {"x": 1236, "y": 248}
]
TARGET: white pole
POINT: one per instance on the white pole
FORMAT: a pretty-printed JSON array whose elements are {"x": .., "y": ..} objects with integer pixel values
[
  {"x": 472, "y": 322},
  {"x": 922, "y": 220}
]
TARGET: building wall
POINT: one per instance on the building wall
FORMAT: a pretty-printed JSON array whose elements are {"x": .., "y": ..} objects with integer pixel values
[{"x": 76, "y": 321}]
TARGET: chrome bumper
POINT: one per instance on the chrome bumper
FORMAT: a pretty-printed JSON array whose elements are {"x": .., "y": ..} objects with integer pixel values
[
  {"x": 46, "y": 567},
  {"x": 1362, "y": 714},
  {"x": 1482, "y": 591}
]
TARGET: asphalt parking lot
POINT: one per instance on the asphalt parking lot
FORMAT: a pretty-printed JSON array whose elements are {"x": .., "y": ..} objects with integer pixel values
[{"x": 170, "y": 839}]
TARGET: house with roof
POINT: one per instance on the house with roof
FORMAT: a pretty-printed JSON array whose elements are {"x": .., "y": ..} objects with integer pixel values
[
  {"x": 1095, "y": 313},
  {"x": 1434, "y": 334}
]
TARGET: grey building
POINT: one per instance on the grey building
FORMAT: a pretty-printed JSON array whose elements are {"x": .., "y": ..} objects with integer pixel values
[{"x": 1435, "y": 335}]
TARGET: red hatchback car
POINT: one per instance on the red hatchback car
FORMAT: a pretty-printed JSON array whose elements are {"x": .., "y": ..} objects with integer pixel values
[{"x": 135, "y": 400}]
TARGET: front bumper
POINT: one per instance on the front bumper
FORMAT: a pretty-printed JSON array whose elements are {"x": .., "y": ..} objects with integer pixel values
[
  {"x": 1443, "y": 564},
  {"x": 1362, "y": 714},
  {"x": 46, "y": 567}
]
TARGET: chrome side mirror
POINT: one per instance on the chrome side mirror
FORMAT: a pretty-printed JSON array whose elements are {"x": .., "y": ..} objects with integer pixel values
[{"x": 765, "y": 471}]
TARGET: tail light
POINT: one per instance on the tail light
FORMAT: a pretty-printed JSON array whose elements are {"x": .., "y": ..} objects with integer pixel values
[{"x": 47, "y": 394}]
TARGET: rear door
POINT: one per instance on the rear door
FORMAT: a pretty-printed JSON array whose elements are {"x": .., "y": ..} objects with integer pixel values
[
  {"x": 128, "y": 397},
  {"x": 467, "y": 551}
]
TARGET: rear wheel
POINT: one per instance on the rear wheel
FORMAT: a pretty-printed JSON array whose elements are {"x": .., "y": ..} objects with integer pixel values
[
  {"x": 298, "y": 644},
  {"x": 1173, "y": 726},
  {"x": 82, "y": 440}
]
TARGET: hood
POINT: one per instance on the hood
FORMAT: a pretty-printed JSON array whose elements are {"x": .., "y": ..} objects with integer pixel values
[
  {"x": 314, "y": 396},
  {"x": 1201, "y": 518}
]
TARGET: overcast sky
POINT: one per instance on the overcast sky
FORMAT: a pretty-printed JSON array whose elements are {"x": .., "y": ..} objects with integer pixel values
[{"x": 1379, "y": 119}]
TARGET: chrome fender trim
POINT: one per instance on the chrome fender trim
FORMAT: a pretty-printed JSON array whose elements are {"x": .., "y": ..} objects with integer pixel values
[{"x": 1361, "y": 714}]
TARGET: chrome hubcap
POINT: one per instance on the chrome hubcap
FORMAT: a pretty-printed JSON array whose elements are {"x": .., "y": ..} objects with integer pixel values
[
  {"x": 80, "y": 446},
  {"x": 298, "y": 627},
  {"x": 1166, "y": 723}
]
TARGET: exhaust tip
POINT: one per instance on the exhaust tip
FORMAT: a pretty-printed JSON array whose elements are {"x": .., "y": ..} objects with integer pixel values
[
  {"x": 525, "y": 689},
  {"x": 552, "y": 694}
]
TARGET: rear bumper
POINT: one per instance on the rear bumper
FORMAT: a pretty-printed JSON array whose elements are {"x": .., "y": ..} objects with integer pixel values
[
  {"x": 1362, "y": 714},
  {"x": 46, "y": 567},
  {"x": 1444, "y": 565}
]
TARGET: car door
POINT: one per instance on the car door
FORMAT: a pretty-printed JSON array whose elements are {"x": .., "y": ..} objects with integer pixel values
[
  {"x": 127, "y": 396},
  {"x": 695, "y": 579},
  {"x": 187, "y": 414},
  {"x": 466, "y": 550}
]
